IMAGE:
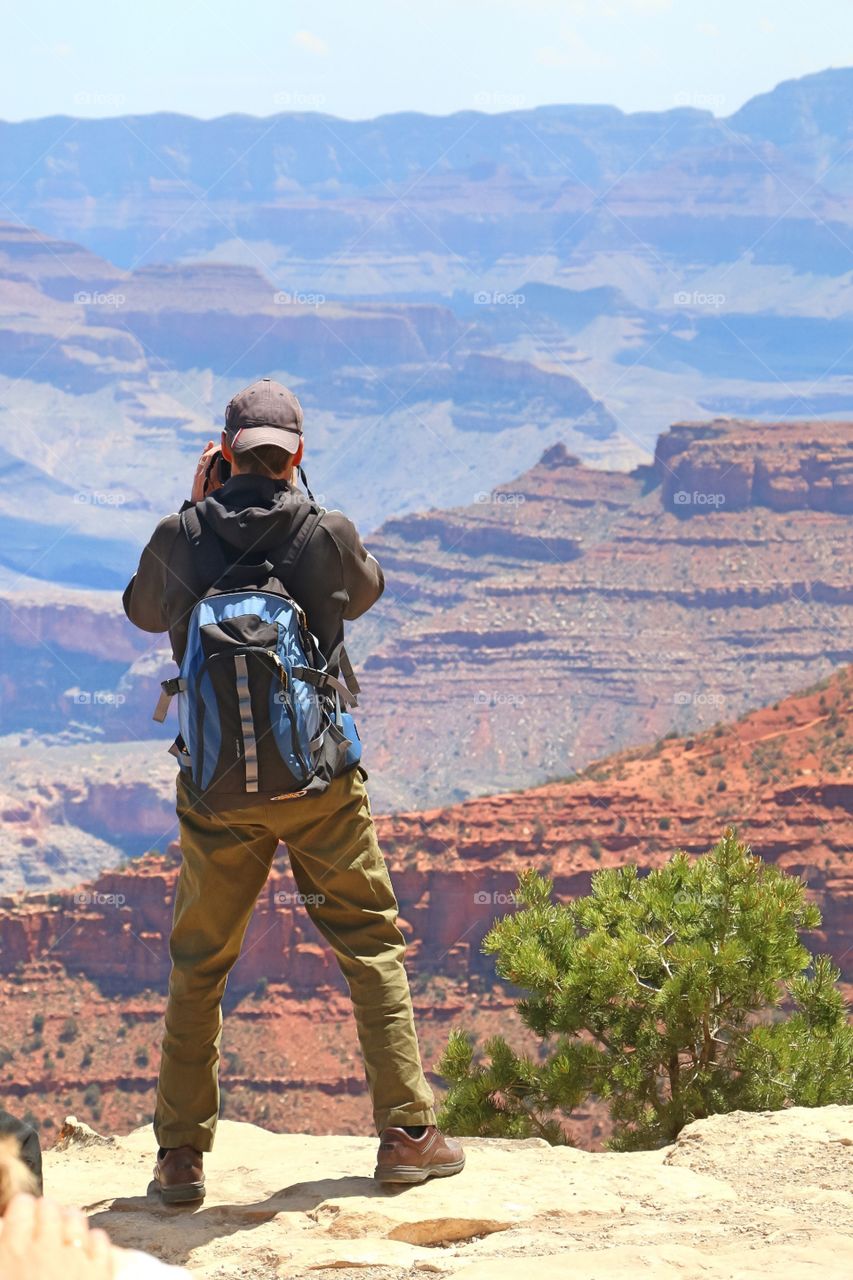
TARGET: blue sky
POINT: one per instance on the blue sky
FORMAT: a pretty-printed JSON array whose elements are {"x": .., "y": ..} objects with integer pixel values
[{"x": 209, "y": 57}]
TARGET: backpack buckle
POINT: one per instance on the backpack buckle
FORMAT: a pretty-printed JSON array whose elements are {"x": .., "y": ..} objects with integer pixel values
[{"x": 168, "y": 690}]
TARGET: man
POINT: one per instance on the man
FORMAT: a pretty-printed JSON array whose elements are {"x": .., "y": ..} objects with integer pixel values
[{"x": 227, "y": 854}]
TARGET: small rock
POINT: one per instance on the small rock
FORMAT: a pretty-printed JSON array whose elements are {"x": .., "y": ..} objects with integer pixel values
[{"x": 74, "y": 1133}]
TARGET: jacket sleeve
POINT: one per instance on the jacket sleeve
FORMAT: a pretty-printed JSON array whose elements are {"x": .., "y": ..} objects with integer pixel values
[
  {"x": 144, "y": 597},
  {"x": 363, "y": 579}
]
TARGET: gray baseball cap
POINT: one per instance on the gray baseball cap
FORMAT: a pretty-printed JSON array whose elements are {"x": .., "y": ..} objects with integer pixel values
[{"x": 264, "y": 413}]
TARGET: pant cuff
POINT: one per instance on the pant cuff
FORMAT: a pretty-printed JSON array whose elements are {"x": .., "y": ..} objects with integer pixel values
[
  {"x": 201, "y": 1139},
  {"x": 403, "y": 1116}
]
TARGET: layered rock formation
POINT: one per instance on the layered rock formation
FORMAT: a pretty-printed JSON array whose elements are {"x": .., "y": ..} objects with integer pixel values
[
  {"x": 676, "y": 263},
  {"x": 499, "y": 184},
  {"x": 577, "y": 611},
  {"x": 801, "y": 466},
  {"x": 111, "y": 381},
  {"x": 739, "y": 1195},
  {"x": 783, "y": 775},
  {"x": 98, "y": 956},
  {"x": 549, "y": 622}
]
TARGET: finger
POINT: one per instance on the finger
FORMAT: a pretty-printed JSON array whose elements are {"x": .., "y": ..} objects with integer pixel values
[
  {"x": 99, "y": 1248},
  {"x": 49, "y": 1220},
  {"x": 19, "y": 1223},
  {"x": 75, "y": 1226}
]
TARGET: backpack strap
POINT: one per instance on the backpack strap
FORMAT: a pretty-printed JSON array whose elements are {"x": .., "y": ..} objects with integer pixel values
[
  {"x": 210, "y": 558},
  {"x": 340, "y": 657},
  {"x": 212, "y": 562},
  {"x": 168, "y": 690},
  {"x": 322, "y": 680},
  {"x": 347, "y": 688},
  {"x": 297, "y": 545}
]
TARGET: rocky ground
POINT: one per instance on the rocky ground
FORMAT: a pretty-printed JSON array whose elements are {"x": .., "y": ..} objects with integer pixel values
[{"x": 737, "y": 1197}]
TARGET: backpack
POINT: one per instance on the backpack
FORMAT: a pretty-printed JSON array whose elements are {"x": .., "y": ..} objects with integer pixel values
[{"x": 261, "y": 717}]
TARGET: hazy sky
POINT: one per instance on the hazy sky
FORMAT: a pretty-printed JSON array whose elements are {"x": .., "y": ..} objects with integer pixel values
[{"x": 361, "y": 59}]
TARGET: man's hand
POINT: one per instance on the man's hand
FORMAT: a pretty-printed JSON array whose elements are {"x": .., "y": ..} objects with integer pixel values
[{"x": 202, "y": 485}]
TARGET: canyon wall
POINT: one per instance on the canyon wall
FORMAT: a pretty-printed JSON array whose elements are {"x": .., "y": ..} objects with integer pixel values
[{"x": 783, "y": 775}]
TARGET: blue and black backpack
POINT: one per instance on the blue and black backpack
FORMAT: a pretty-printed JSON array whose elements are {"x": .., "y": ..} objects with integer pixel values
[{"x": 261, "y": 716}]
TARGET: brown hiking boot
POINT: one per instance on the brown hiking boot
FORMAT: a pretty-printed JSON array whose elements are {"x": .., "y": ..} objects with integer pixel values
[
  {"x": 179, "y": 1175},
  {"x": 403, "y": 1158}
]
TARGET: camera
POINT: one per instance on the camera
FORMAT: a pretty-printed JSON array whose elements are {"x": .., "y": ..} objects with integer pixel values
[{"x": 218, "y": 469}]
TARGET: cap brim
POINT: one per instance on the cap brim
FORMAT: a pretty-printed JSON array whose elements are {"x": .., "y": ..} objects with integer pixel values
[{"x": 251, "y": 437}]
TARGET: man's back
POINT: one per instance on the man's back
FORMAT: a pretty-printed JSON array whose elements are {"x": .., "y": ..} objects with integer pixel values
[{"x": 334, "y": 580}]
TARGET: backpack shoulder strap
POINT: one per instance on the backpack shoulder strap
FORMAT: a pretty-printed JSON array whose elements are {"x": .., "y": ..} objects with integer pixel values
[
  {"x": 297, "y": 544},
  {"x": 210, "y": 558},
  {"x": 213, "y": 564}
]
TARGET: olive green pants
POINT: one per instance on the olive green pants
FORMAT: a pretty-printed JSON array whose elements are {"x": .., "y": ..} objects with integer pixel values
[{"x": 342, "y": 878}]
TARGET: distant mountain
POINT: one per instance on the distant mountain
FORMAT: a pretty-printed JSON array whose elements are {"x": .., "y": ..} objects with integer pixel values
[
  {"x": 814, "y": 112},
  {"x": 450, "y": 295},
  {"x": 442, "y": 200},
  {"x": 104, "y": 181},
  {"x": 452, "y": 299},
  {"x": 111, "y": 381}
]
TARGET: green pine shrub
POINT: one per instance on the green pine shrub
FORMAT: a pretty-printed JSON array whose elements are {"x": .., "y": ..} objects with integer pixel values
[{"x": 672, "y": 996}]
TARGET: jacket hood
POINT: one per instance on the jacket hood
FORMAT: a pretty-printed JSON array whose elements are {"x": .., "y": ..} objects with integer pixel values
[{"x": 255, "y": 512}]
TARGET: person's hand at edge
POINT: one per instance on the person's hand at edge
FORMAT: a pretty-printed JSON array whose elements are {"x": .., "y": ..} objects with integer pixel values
[
  {"x": 39, "y": 1240},
  {"x": 202, "y": 484}
]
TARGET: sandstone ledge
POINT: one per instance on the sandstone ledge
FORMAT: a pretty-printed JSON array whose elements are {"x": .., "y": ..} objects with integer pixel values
[{"x": 745, "y": 1196}]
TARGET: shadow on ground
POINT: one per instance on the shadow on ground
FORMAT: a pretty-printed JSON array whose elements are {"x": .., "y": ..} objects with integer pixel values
[{"x": 186, "y": 1228}]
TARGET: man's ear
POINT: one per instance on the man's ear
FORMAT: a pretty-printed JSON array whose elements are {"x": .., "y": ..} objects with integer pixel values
[
  {"x": 297, "y": 457},
  {"x": 226, "y": 451}
]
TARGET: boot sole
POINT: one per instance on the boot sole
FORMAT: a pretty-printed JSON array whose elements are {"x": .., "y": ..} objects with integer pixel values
[
  {"x": 410, "y": 1173},
  {"x": 184, "y": 1193}
]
